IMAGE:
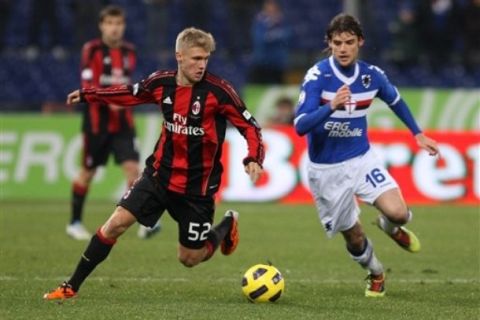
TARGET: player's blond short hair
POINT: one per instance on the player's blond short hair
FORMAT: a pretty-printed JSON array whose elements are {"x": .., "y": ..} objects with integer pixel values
[{"x": 193, "y": 37}]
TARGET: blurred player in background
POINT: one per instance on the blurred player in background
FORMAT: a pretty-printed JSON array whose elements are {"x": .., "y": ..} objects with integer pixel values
[
  {"x": 107, "y": 128},
  {"x": 283, "y": 112},
  {"x": 184, "y": 171},
  {"x": 334, "y": 99}
]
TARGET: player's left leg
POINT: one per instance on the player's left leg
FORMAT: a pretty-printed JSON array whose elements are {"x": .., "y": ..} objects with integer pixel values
[
  {"x": 361, "y": 251},
  {"x": 395, "y": 214},
  {"x": 224, "y": 234}
]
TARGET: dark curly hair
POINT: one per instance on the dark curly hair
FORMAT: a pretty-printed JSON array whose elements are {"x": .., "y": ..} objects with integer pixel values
[{"x": 343, "y": 23}]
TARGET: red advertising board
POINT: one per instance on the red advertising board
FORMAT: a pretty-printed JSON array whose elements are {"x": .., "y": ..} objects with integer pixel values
[{"x": 452, "y": 177}]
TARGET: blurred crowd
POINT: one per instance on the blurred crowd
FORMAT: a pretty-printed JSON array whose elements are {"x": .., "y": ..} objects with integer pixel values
[
  {"x": 436, "y": 33},
  {"x": 418, "y": 42}
]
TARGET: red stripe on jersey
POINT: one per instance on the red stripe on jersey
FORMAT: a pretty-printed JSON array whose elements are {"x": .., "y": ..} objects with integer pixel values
[
  {"x": 114, "y": 117},
  {"x": 96, "y": 65},
  {"x": 161, "y": 141},
  {"x": 94, "y": 109},
  {"x": 159, "y": 152},
  {"x": 117, "y": 72},
  {"x": 361, "y": 104},
  {"x": 364, "y": 103},
  {"x": 129, "y": 117},
  {"x": 178, "y": 180},
  {"x": 91, "y": 55},
  {"x": 210, "y": 141}
]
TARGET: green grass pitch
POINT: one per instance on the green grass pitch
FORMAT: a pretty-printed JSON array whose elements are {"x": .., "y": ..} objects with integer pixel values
[{"x": 142, "y": 279}]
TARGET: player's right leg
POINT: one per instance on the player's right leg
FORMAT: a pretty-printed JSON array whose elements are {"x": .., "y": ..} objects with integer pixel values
[
  {"x": 395, "y": 214},
  {"x": 75, "y": 228},
  {"x": 131, "y": 171},
  {"x": 361, "y": 251},
  {"x": 97, "y": 250},
  {"x": 198, "y": 238}
]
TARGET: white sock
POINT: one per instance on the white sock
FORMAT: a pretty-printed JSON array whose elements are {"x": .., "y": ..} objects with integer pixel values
[{"x": 368, "y": 260}]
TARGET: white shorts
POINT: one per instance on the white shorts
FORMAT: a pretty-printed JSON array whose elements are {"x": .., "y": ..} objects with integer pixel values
[{"x": 334, "y": 187}]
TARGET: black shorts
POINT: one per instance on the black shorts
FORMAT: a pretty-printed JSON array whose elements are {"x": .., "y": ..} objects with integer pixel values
[
  {"x": 147, "y": 200},
  {"x": 98, "y": 147}
]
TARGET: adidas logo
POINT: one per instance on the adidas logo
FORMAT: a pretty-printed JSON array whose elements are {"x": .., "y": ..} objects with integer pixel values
[{"x": 167, "y": 100}]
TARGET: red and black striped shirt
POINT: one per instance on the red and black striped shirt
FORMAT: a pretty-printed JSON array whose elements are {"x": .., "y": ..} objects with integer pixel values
[
  {"x": 103, "y": 66},
  {"x": 186, "y": 158}
]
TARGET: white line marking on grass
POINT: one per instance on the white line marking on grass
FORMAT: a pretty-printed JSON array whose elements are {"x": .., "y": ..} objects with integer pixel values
[{"x": 220, "y": 280}]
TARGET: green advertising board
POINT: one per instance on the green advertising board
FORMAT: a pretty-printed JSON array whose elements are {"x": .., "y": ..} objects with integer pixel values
[{"x": 40, "y": 155}]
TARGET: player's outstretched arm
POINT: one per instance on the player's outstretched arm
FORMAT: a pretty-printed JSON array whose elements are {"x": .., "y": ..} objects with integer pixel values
[
  {"x": 254, "y": 170},
  {"x": 427, "y": 144}
]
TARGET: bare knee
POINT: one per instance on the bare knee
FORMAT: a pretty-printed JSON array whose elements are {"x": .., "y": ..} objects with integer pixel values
[
  {"x": 393, "y": 206},
  {"x": 85, "y": 176},
  {"x": 131, "y": 171},
  {"x": 190, "y": 257},
  {"x": 118, "y": 223},
  {"x": 397, "y": 213},
  {"x": 188, "y": 261}
]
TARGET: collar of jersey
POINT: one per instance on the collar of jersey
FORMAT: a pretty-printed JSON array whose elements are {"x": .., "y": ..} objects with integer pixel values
[{"x": 347, "y": 80}]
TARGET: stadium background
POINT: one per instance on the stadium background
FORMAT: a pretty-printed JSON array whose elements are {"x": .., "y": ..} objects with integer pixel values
[{"x": 40, "y": 135}]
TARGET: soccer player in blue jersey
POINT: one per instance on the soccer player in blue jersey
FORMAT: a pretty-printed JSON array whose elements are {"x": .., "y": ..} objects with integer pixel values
[{"x": 334, "y": 99}]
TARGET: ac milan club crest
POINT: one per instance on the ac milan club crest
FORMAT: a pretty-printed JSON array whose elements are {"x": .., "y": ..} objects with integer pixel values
[{"x": 196, "y": 106}]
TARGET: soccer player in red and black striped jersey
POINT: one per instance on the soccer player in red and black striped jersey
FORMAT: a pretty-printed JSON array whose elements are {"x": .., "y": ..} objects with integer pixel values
[
  {"x": 107, "y": 127},
  {"x": 183, "y": 173}
]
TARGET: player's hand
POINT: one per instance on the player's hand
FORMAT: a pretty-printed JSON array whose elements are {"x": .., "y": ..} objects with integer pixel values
[
  {"x": 73, "y": 97},
  {"x": 427, "y": 144},
  {"x": 342, "y": 97},
  {"x": 254, "y": 170}
]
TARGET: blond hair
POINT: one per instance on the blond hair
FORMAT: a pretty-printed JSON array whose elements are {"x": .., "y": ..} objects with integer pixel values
[{"x": 193, "y": 37}]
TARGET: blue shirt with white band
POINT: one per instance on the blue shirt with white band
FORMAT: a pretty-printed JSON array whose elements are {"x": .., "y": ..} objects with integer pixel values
[{"x": 335, "y": 136}]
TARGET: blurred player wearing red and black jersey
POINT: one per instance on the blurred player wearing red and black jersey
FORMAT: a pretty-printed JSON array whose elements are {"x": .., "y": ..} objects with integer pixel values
[
  {"x": 107, "y": 128},
  {"x": 183, "y": 173}
]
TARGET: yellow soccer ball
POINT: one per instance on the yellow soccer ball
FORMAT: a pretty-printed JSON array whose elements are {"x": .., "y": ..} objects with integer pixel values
[{"x": 263, "y": 283}]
